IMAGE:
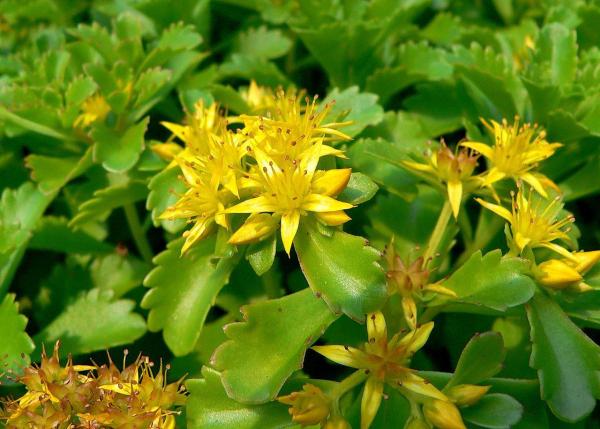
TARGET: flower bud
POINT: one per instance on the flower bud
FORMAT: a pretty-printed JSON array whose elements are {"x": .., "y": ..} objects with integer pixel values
[
  {"x": 586, "y": 260},
  {"x": 466, "y": 394},
  {"x": 443, "y": 414},
  {"x": 337, "y": 422},
  {"x": 416, "y": 423},
  {"x": 309, "y": 406},
  {"x": 558, "y": 274}
]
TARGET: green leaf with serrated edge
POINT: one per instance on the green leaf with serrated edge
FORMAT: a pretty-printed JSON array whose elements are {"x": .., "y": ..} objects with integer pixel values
[
  {"x": 118, "y": 273},
  {"x": 93, "y": 322},
  {"x": 107, "y": 199},
  {"x": 164, "y": 188},
  {"x": 119, "y": 152},
  {"x": 567, "y": 361},
  {"x": 494, "y": 411},
  {"x": 273, "y": 339},
  {"x": 343, "y": 269},
  {"x": 360, "y": 189},
  {"x": 54, "y": 233},
  {"x": 149, "y": 83},
  {"x": 52, "y": 173},
  {"x": 261, "y": 42},
  {"x": 492, "y": 281},
  {"x": 16, "y": 345},
  {"x": 351, "y": 105},
  {"x": 183, "y": 290},
  {"x": 481, "y": 359},
  {"x": 209, "y": 407},
  {"x": 262, "y": 254},
  {"x": 20, "y": 210},
  {"x": 557, "y": 47}
]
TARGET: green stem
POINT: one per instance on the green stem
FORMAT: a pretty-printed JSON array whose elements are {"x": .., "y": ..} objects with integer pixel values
[
  {"x": 139, "y": 237},
  {"x": 439, "y": 230},
  {"x": 349, "y": 383}
]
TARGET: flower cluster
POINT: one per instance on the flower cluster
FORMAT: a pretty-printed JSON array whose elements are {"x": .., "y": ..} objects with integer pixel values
[
  {"x": 91, "y": 396},
  {"x": 384, "y": 361},
  {"x": 268, "y": 167}
]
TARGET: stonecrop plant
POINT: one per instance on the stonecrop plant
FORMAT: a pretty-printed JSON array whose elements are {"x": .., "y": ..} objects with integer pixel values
[{"x": 299, "y": 214}]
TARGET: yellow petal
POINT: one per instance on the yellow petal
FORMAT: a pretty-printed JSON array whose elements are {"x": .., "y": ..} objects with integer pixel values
[
  {"x": 166, "y": 151},
  {"x": 409, "y": 308},
  {"x": 437, "y": 288},
  {"x": 492, "y": 176},
  {"x": 181, "y": 131},
  {"x": 323, "y": 203},
  {"x": 465, "y": 395},
  {"x": 416, "y": 339},
  {"x": 376, "y": 327},
  {"x": 521, "y": 241},
  {"x": 443, "y": 415},
  {"x": 371, "y": 399},
  {"x": 253, "y": 205},
  {"x": 344, "y": 355},
  {"x": 586, "y": 260},
  {"x": 422, "y": 387},
  {"x": 331, "y": 182},
  {"x": 455, "y": 190},
  {"x": 535, "y": 183},
  {"x": 333, "y": 218},
  {"x": 558, "y": 275},
  {"x": 482, "y": 148},
  {"x": 196, "y": 233},
  {"x": 558, "y": 249},
  {"x": 289, "y": 227},
  {"x": 417, "y": 166},
  {"x": 256, "y": 227},
  {"x": 329, "y": 150},
  {"x": 499, "y": 210}
]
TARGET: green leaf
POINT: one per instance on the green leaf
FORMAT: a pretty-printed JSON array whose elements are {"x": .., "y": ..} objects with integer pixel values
[
  {"x": 557, "y": 47},
  {"x": 164, "y": 188},
  {"x": 93, "y": 322},
  {"x": 118, "y": 273},
  {"x": 248, "y": 67},
  {"x": 209, "y": 407},
  {"x": 492, "y": 281},
  {"x": 272, "y": 340},
  {"x": 119, "y": 152},
  {"x": 567, "y": 361},
  {"x": 184, "y": 289},
  {"x": 54, "y": 233},
  {"x": 261, "y": 255},
  {"x": 351, "y": 105},
  {"x": 107, "y": 199},
  {"x": 494, "y": 411},
  {"x": 343, "y": 269},
  {"x": 264, "y": 43},
  {"x": 582, "y": 183},
  {"x": 481, "y": 359},
  {"x": 149, "y": 83},
  {"x": 52, "y": 173},
  {"x": 360, "y": 189},
  {"x": 20, "y": 210},
  {"x": 16, "y": 345}
]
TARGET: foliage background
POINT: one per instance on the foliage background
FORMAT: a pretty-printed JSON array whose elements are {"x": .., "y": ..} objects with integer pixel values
[{"x": 410, "y": 71}]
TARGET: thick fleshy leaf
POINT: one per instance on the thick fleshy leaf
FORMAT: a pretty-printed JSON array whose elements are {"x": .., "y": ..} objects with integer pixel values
[
  {"x": 209, "y": 407},
  {"x": 20, "y": 210},
  {"x": 107, "y": 199},
  {"x": 343, "y": 269},
  {"x": 119, "y": 152},
  {"x": 264, "y": 43},
  {"x": 567, "y": 361},
  {"x": 53, "y": 173},
  {"x": 261, "y": 255},
  {"x": 164, "y": 188},
  {"x": 360, "y": 189},
  {"x": 183, "y": 290},
  {"x": 481, "y": 359},
  {"x": 54, "y": 233},
  {"x": 272, "y": 339},
  {"x": 351, "y": 105},
  {"x": 117, "y": 272},
  {"x": 16, "y": 345},
  {"x": 557, "y": 47},
  {"x": 492, "y": 281},
  {"x": 93, "y": 322},
  {"x": 494, "y": 411}
]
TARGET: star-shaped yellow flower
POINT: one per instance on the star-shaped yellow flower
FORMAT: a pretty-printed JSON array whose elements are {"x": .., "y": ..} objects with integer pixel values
[
  {"x": 385, "y": 361},
  {"x": 516, "y": 151},
  {"x": 534, "y": 222},
  {"x": 290, "y": 191},
  {"x": 95, "y": 108}
]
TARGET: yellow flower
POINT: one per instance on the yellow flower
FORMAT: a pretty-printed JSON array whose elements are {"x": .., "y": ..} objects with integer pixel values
[
  {"x": 385, "y": 361},
  {"x": 95, "y": 108},
  {"x": 308, "y": 407},
  {"x": 411, "y": 281},
  {"x": 260, "y": 99},
  {"x": 454, "y": 169},
  {"x": 516, "y": 151},
  {"x": 534, "y": 222},
  {"x": 202, "y": 204},
  {"x": 568, "y": 273},
  {"x": 290, "y": 191}
]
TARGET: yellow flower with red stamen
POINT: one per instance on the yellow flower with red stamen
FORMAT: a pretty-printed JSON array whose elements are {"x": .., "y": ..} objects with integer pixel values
[
  {"x": 516, "y": 151},
  {"x": 534, "y": 222},
  {"x": 386, "y": 361},
  {"x": 290, "y": 191}
]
